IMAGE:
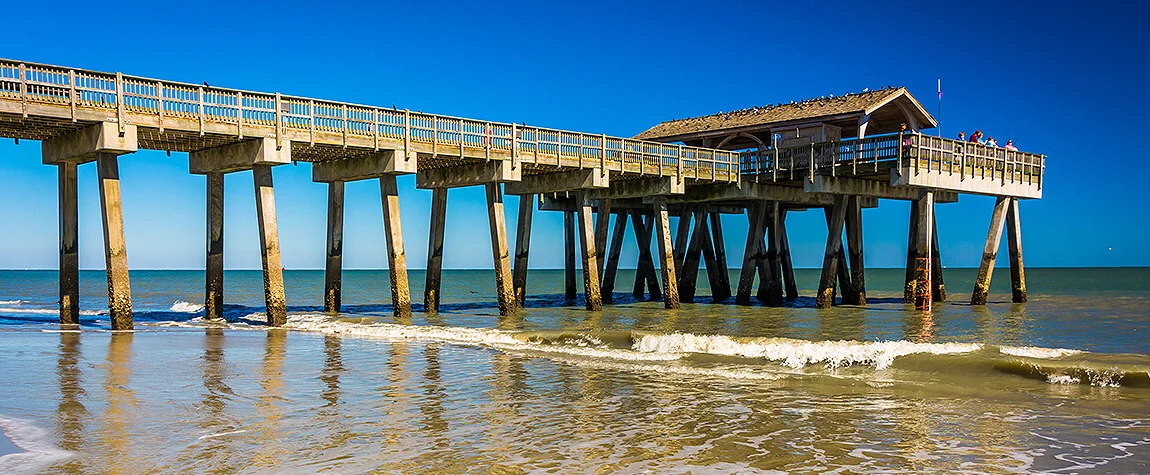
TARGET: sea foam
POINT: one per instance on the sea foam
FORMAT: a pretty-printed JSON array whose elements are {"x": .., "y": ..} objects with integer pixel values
[
  {"x": 38, "y": 454},
  {"x": 185, "y": 307}
]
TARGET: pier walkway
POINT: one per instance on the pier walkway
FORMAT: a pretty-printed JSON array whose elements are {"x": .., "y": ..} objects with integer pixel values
[{"x": 82, "y": 116}]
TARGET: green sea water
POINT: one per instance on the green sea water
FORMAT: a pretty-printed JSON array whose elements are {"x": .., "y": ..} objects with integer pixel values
[{"x": 1057, "y": 385}]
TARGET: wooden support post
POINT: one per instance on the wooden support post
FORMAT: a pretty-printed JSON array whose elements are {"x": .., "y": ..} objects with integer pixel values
[
  {"x": 837, "y": 216},
  {"x": 115, "y": 250},
  {"x": 842, "y": 273},
  {"x": 662, "y": 230},
  {"x": 785, "y": 258},
  {"x": 990, "y": 251},
  {"x": 214, "y": 268},
  {"x": 688, "y": 276},
  {"x": 857, "y": 295},
  {"x": 569, "y": 254},
  {"x": 756, "y": 217},
  {"x": 645, "y": 275},
  {"x": 938, "y": 292},
  {"x": 1014, "y": 241},
  {"x": 721, "y": 290},
  {"x": 503, "y": 282},
  {"x": 682, "y": 235},
  {"x": 602, "y": 224},
  {"x": 69, "y": 252},
  {"x": 396, "y": 256},
  {"x": 613, "y": 256},
  {"x": 276, "y": 303},
  {"x": 333, "y": 271},
  {"x": 922, "y": 289},
  {"x": 707, "y": 243},
  {"x": 773, "y": 290},
  {"x": 911, "y": 254},
  {"x": 431, "y": 287},
  {"x": 593, "y": 298},
  {"x": 522, "y": 247}
]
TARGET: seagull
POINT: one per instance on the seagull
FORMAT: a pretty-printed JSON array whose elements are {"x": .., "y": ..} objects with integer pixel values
[
  {"x": 866, "y": 89},
  {"x": 206, "y": 84}
]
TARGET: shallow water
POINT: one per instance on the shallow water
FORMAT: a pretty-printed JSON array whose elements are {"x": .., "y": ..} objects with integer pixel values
[{"x": 1060, "y": 384}]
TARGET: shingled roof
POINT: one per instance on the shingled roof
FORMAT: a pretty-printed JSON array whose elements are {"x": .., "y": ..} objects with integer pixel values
[{"x": 856, "y": 104}]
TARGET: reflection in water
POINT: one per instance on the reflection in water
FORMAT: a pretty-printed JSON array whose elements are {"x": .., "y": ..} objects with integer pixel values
[
  {"x": 113, "y": 434},
  {"x": 213, "y": 404},
  {"x": 393, "y": 397},
  {"x": 70, "y": 413},
  {"x": 268, "y": 430},
  {"x": 332, "y": 369},
  {"x": 919, "y": 327},
  {"x": 433, "y": 396}
]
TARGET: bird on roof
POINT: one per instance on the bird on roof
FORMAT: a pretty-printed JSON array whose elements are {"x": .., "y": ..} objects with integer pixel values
[{"x": 866, "y": 89}]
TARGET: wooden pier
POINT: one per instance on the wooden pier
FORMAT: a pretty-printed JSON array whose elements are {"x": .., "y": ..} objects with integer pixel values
[{"x": 840, "y": 154}]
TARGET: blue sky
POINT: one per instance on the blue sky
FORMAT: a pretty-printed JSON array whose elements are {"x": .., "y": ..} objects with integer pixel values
[{"x": 1066, "y": 79}]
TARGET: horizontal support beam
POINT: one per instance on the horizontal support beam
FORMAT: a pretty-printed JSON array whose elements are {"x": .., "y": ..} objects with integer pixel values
[
  {"x": 239, "y": 156},
  {"x": 558, "y": 182},
  {"x": 872, "y": 188},
  {"x": 662, "y": 186},
  {"x": 83, "y": 145},
  {"x": 977, "y": 185},
  {"x": 375, "y": 165},
  {"x": 496, "y": 171}
]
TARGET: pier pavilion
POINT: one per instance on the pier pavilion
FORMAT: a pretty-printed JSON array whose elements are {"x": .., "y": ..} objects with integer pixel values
[{"x": 840, "y": 154}]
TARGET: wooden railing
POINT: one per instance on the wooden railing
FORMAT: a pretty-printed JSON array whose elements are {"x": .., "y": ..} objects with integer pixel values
[
  {"x": 914, "y": 152},
  {"x": 118, "y": 94}
]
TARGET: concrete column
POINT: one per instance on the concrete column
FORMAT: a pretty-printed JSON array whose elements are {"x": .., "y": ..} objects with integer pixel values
[
  {"x": 938, "y": 292},
  {"x": 1014, "y": 241},
  {"x": 214, "y": 265},
  {"x": 591, "y": 293},
  {"x": 756, "y": 217},
  {"x": 115, "y": 250},
  {"x": 270, "y": 246},
  {"x": 826, "y": 293},
  {"x": 922, "y": 289},
  {"x": 645, "y": 270},
  {"x": 990, "y": 251},
  {"x": 69, "y": 252},
  {"x": 602, "y": 223},
  {"x": 785, "y": 257},
  {"x": 689, "y": 274},
  {"x": 612, "y": 267},
  {"x": 911, "y": 254},
  {"x": 504, "y": 289},
  {"x": 431, "y": 294},
  {"x": 396, "y": 257},
  {"x": 773, "y": 290},
  {"x": 333, "y": 272},
  {"x": 857, "y": 296},
  {"x": 722, "y": 288},
  {"x": 522, "y": 247},
  {"x": 662, "y": 230},
  {"x": 569, "y": 254}
]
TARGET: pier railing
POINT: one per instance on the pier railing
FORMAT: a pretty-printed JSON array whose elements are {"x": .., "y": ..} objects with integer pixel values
[
  {"x": 912, "y": 151},
  {"x": 298, "y": 117}
]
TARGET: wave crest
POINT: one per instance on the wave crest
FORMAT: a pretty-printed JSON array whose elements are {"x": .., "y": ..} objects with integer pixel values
[{"x": 185, "y": 307}]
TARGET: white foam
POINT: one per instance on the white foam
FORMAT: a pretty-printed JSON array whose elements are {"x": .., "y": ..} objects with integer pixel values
[
  {"x": 1062, "y": 379},
  {"x": 13, "y": 302},
  {"x": 38, "y": 454},
  {"x": 185, "y": 307},
  {"x": 1037, "y": 352},
  {"x": 222, "y": 434},
  {"x": 44, "y": 311},
  {"x": 798, "y": 353}
]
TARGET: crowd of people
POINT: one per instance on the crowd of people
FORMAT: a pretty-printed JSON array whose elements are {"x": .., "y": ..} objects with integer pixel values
[{"x": 977, "y": 137}]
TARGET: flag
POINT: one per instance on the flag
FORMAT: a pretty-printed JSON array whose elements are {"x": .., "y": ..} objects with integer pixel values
[{"x": 940, "y": 89}]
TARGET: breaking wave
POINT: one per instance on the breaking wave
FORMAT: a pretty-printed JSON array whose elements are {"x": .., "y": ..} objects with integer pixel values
[{"x": 185, "y": 307}]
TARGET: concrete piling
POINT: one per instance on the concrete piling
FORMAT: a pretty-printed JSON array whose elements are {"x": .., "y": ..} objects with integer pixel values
[
  {"x": 69, "y": 248},
  {"x": 396, "y": 257},
  {"x": 645, "y": 275},
  {"x": 938, "y": 291},
  {"x": 504, "y": 290},
  {"x": 431, "y": 288},
  {"x": 837, "y": 217},
  {"x": 714, "y": 280},
  {"x": 689, "y": 274},
  {"x": 911, "y": 254},
  {"x": 990, "y": 251},
  {"x": 773, "y": 290},
  {"x": 857, "y": 295},
  {"x": 785, "y": 257},
  {"x": 214, "y": 265},
  {"x": 756, "y": 217},
  {"x": 593, "y": 298},
  {"x": 662, "y": 230},
  {"x": 682, "y": 240},
  {"x": 333, "y": 270},
  {"x": 270, "y": 246},
  {"x": 923, "y": 284},
  {"x": 569, "y": 255},
  {"x": 522, "y": 247},
  {"x": 722, "y": 288},
  {"x": 602, "y": 225},
  {"x": 115, "y": 250},
  {"x": 612, "y": 267},
  {"x": 1014, "y": 243}
]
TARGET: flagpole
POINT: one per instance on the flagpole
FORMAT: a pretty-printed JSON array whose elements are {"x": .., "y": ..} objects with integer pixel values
[{"x": 940, "y": 107}]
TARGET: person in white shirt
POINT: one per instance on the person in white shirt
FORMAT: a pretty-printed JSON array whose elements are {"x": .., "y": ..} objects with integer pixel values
[{"x": 1010, "y": 146}]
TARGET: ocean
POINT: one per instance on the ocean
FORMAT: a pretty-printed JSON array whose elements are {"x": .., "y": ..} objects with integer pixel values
[{"x": 1060, "y": 384}]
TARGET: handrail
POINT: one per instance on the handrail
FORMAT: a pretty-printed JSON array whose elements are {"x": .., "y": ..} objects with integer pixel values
[
  {"x": 244, "y": 110},
  {"x": 912, "y": 150}
]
